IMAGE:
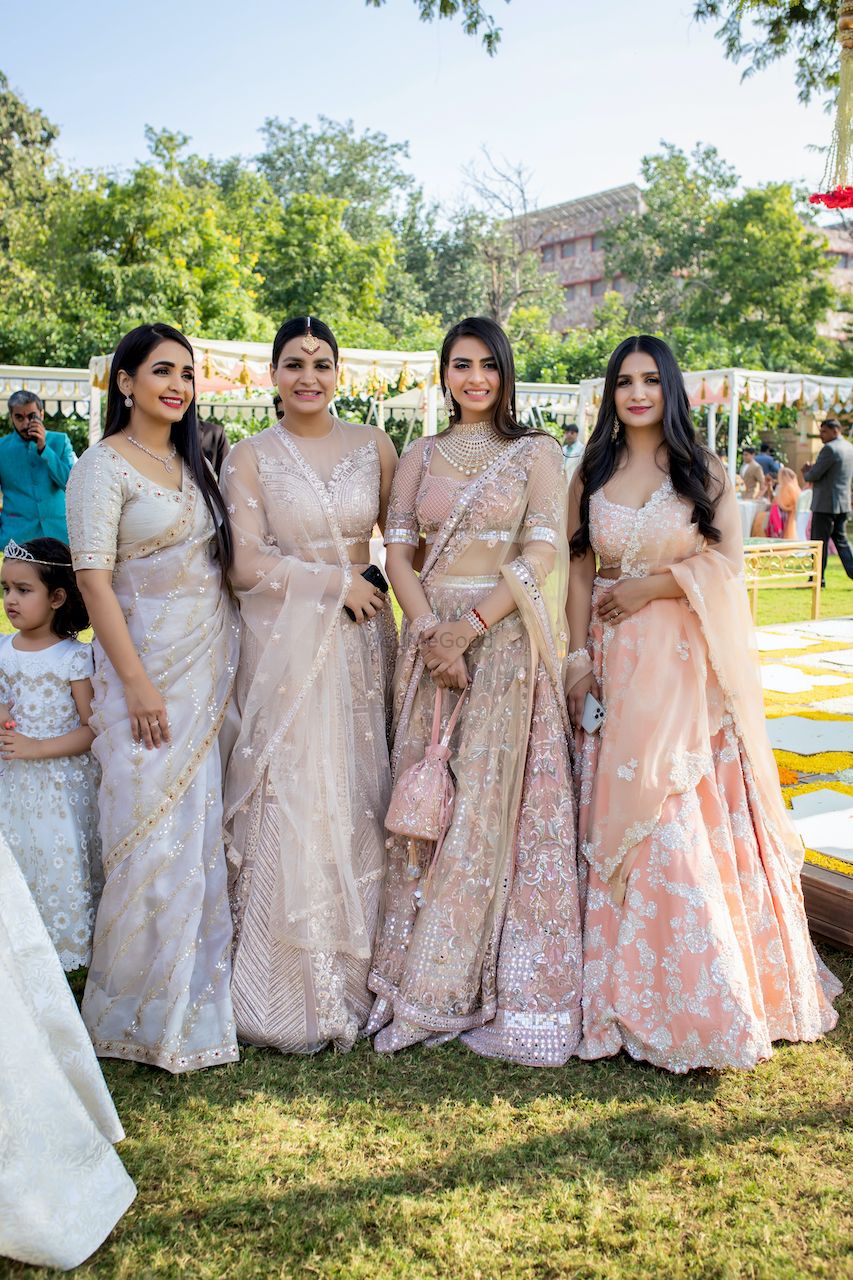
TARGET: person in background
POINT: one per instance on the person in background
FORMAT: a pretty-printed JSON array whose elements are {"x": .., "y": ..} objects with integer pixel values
[
  {"x": 752, "y": 474},
  {"x": 214, "y": 443},
  {"x": 831, "y": 475},
  {"x": 767, "y": 460},
  {"x": 34, "y": 468},
  {"x": 572, "y": 447}
]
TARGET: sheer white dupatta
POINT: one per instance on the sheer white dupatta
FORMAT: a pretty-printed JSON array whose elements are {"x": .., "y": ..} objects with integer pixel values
[{"x": 291, "y": 575}]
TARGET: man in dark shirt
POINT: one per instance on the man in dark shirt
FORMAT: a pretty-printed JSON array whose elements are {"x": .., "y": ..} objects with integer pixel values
[
  {"x": 831, "y": 476},
  {"x": 765, "y": 459},
  {"x": 214, "y": 443}
]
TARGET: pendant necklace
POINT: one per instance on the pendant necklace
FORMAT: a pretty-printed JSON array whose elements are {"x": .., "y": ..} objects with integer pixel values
[{"x": 165, "y": 462}]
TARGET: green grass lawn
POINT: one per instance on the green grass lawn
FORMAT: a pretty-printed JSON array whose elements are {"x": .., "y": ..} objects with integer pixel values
[
  {"x": 438, "y": 1164},
  {"x": 793, "y": 604}
]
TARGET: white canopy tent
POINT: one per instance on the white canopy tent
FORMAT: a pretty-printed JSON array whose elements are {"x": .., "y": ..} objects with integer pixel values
[
  {"x": 727, "y": 389},
  {"x": 242, "y": 368},
  {"x": 65, "y": 391}
]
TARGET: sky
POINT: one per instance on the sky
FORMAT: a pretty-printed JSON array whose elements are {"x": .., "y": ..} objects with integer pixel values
[{"x": 578, "y": 91}]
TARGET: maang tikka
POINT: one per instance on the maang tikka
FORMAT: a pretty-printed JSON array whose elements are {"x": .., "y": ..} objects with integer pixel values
[{"x": 309, "y": 342}]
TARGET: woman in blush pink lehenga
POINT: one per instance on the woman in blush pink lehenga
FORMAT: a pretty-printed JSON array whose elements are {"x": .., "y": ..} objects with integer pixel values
[
  {"x": 696, "y": 947},
  {"x": 492, "y": 953}
]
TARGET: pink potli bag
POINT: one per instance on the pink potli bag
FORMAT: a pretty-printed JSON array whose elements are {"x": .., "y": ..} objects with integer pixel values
[{"x": 422, "y": 801}]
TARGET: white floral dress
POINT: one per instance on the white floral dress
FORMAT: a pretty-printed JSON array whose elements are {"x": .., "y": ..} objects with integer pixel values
[{"x": 49, "y": 807}]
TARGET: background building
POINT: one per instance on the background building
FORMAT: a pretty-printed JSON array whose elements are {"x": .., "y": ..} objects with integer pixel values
[
  {"x": 570, "y": 239},
  {"x": 571, "y": 243}
]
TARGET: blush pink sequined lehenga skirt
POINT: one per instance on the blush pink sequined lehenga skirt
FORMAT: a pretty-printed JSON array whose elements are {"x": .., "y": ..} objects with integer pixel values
[{"x": 708, "y": 960}]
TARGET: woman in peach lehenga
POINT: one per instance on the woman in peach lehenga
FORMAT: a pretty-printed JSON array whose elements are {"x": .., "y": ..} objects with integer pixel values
[
  {"x": 493, "y": 952},
  {"x": 696, "y": 947}
]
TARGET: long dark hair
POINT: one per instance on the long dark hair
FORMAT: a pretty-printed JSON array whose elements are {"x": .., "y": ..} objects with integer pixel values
[
  {"x": 297, "y": 327},
  {"x": 490, "y": 333},
  {"x": 688, "y": 461},
  {"x": 53, "y": 566},
  {"x": 131, "y": 352}
]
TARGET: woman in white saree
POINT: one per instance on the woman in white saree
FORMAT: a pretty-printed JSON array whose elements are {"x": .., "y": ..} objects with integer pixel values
[
  {"x": 150, "y": 540},
  {"x": 307, "y": 783},
  {"x": 489, "y": 946}
]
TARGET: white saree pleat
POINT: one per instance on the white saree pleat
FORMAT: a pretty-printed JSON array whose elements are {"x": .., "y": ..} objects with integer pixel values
[
  {"x": 158, "y": 986},
  {"x": 62, "y": 1186}
]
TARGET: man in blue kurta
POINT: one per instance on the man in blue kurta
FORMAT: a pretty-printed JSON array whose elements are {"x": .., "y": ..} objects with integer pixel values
[{"x": 34, "y": 469}]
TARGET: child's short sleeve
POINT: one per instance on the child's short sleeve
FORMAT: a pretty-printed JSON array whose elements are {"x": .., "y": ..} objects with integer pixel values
[{"x": 81, "y": 663}]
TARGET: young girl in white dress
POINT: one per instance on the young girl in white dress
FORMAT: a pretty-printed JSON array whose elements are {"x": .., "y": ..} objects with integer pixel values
[{"x": 48, "y": 776}]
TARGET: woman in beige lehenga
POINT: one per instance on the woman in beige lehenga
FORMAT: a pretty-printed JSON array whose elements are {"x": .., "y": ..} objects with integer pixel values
[
  {"x": 486, "y": 945},
  {"x": 308, "y": 780}
]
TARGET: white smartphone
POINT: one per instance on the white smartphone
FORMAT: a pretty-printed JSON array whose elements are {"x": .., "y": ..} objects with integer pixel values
[{"x": 593, "y": 714}]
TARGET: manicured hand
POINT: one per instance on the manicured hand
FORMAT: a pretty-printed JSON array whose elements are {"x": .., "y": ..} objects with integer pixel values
[
  {"x": 576, "y": 697},
  {"x": 623, "y": 600},
  {"x": 149, "y": 722},
  {"x": 17, "y": 746},
  {"x": 444, "y": 644},
  {"x": 364, "y": 599}
]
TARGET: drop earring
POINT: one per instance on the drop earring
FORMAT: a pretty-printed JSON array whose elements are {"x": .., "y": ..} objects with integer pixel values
[
  {"x": 614, "y": 434},
  {"x": 128, "y": 402},
  {"x": 448, "y": 402}
]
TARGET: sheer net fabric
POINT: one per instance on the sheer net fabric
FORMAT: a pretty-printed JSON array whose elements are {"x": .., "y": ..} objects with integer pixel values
[
  {"x": 494, "y": 952},
  {"x": 696, "y": 946},
  {"x": 308, "y": 779},
  {"x": 62, "y": 1186},
  {"x": 157, "y": 988}
]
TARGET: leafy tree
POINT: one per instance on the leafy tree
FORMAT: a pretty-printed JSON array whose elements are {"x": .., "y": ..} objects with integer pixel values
[
  {"x": 545, "y": 356},
  {"x": 474, "y": 18},
  {"x": 766, "y": 282},
  {"x": 314, "y": 264},
  {"x": 732, "y": 279},
  {"x": 364, "y": 170},
  {"x": 30, "y": 182},
  {"x": 762, "y": 31},
  {"x": 662, "y": 250}
]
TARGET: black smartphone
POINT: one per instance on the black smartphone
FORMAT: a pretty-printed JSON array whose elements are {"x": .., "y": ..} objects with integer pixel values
[{"x": 376, "y": 578}]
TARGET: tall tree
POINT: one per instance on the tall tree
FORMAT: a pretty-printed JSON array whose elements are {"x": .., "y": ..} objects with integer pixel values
[
  {"x": 759, "y": 32},
  {"x": 662, "y": 249},
  {"x": 733, "y": 278},
  {"x": 332, "y": 159},
  {"x": 510, "y": 241}
]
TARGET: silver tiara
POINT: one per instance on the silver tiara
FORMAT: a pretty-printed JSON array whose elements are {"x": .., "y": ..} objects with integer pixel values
[{"x": 13, "y": 552}]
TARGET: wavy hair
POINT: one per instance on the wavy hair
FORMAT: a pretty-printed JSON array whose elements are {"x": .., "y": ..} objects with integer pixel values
[
  {"x": 688, "y": 461},
  {"x": 134, "y": 348}
]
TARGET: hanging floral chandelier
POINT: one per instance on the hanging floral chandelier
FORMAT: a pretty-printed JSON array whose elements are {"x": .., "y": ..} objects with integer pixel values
[{"x": 837, "y": 185}]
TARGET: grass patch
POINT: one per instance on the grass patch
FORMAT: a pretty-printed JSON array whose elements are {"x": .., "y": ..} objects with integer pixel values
[
  {"x": 439, "y": 1164},
  {"x": 793, "y": 604}
]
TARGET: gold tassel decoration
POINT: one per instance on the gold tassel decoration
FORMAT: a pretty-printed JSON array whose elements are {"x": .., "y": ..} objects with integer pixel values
[{"x": 837, "y": 185}]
